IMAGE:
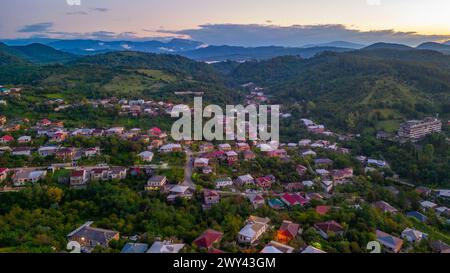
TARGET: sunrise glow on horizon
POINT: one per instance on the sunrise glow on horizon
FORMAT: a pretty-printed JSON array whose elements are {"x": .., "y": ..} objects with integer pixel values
[{"x": 177, "y": 18}]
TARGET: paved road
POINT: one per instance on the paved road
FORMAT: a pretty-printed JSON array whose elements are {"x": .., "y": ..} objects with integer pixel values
[{"x": 188, "y": 169}]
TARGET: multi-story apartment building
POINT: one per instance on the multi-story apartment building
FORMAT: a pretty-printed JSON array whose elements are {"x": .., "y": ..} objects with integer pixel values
[{"x": 417, "y": 129}]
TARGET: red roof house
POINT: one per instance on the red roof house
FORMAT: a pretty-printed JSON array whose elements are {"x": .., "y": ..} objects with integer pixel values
[
  {"x": 287, "y": 231},
  {"x": 6, "y": 139},
  {"x": 208, "y": 239},
  {"x": 293, "y": 199},
  {"x": 264, "y": 182},
  {"x": 322, "y": 210},
  {"x": 325, "y": 228}
]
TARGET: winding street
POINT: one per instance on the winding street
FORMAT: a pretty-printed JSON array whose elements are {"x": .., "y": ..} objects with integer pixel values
[{"x": 188, "y": 169}]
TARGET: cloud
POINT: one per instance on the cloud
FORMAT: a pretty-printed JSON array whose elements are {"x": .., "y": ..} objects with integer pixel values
[
  {"x": 100, "y": 9},
  {"x": 39, "y": 27},
  {"x": 97, "y": 35},
  {"x": 77, "y": 13},
  {"x": 297, "y": 35}
]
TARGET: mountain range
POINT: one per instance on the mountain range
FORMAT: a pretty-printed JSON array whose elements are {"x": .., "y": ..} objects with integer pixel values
[
  {"x": 377, "y": 86},
  {"x": 213, "y": 53}
]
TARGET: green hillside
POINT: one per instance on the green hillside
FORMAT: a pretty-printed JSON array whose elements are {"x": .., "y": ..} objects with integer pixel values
[
  {"x": 358, "y": 90},
  {"x": 42, "y": 54},
  {"x": 124, "y": 74}
]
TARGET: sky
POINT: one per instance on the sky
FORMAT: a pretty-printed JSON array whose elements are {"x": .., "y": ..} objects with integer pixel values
[{"x": 232, "y": 22}]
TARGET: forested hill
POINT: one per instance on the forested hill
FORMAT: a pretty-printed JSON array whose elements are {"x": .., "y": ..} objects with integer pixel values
[
  {"x": 354, "y": 90},
  {"x": 10, "y": 56},
  {"x": 123, "y": 74},
  {"x": 35, "y": 53},
  {"x": 169, "y": 63}
]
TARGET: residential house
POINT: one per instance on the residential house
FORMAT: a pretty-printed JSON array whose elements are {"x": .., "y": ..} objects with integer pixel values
[
  {"x": 134, "y": 248},
  {"x": 12, "y": 128},
  {"x": 265, "y": 181},
  {"x": 304, "y": 142},
  {"x": 327, "y": 228},
  {"x": 413, "y": 236},
  {"x": 98, "y": 132},
  {"x": 376, "y": 163},
  {"x": 428, "y": 205},
  {"x": 417, "y": 215},
  {"x": 389, "y": 242},
  {"x": 323, "y": 210},
  {"x": 322, "y": 172},
  {"x": 342, "y": 175},
  {"x": 5, "y": 149},
  {"x": 6, "y": 139},
  {"x": 423, "y": 191},
  {"x": 146, "y": 156},
  {"x": 253, "y": 230},
  {"x": 327, "y": 185},
  {"x": 276, "y": 204},
  {"x": 90, "y": 237},
  {"x": 287, "y": 232},
  {"x": 44, "y": 122},
  {"x": 439, "y": 247},
  {"x": 257, "y": 200},
  {"x": 232, "y": 157},
  {"x": 301, "y": 170},
  {"x": 36, "y": 175},
  {"x": 314, "y": 196},
  {"x": 248, "y": 155},
  {"x": 206, "y": 147},
  {"x": 47, "y": 151},
  {"x": 241, "y": 146},
  {"x": 444, "y": 193},
  {"x": 224, "y": 182},
  {"x": 91, "y": 152},
  {"x": 201, "y": 162},
  {"x": 2, "y": 120},
  {"x": 293, "y": 199},
  {"x": 79, "y": 178},
  {"x": 307, "y": 184},
  {"x": 99, "y": 174},
  {"x": 66, "y": 153},
  {"x": 208, "y": 239},
  {"x": 117, "y": 173},
  {"x": 24, "y": 139},
  {"x": 323, "y": 163},
  {"x": 210, "y": 198},
  {"x": 155, "y": 182},
  {"x": 165, "y": 247},
  {"x": 21, "y": 151},
  {"x": 115, "y": 131},
  {"x": 224, "y": 147},
  {"x": 24, "y": 176},
  {"x": 207, "y": 170},
  {"x": 59, "y": 136},
  {"x": 443, "y": 211},
  {"x": 3, "y": 174},
  {"x": 179, "y": 191},
  {"x": 277, "y": 248},
  {"x": 312, "y": 250},
  {"x": 385, "y": 207},
  {"x": 156, "y": 143},
  {"x": 155, "y": 132},
  {"x": 170, "y": 148},
  {"x": 278, "y": 153},
  {"x": 293, "y": 186},
  {"x": 245, "y": 180}
]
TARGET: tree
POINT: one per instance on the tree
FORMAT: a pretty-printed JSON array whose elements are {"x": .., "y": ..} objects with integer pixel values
[{"x": 54, "y": 195}]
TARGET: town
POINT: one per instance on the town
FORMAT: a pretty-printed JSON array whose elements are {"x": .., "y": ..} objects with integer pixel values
[{"x": 313, "y": 180}]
